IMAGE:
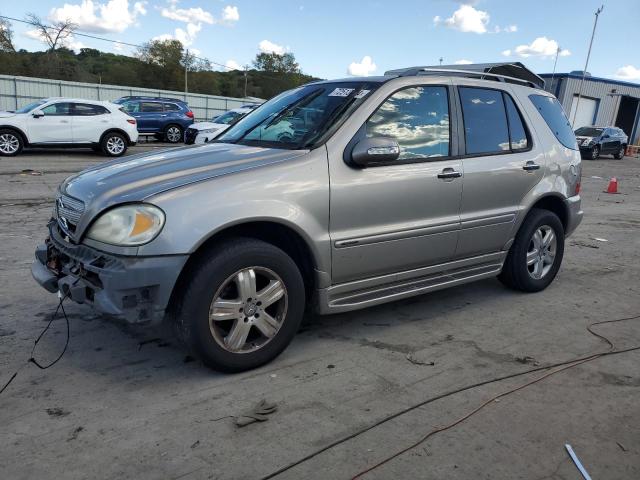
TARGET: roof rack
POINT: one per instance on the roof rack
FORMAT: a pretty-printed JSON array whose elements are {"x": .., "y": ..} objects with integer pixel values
[
  {"x": 149, "y": 97},
  {"x": 514, "y": 72}
]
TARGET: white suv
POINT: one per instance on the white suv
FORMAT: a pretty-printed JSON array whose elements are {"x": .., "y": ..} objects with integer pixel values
[{"x": 68, "y": 122}]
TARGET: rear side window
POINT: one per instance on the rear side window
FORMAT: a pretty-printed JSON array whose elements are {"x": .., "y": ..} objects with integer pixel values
[
  {"x": 554, "y": 116},
  {"x": 171, "y": 107},
  {"x": 85, "y": 109},
  {"x": 150, "y": 107},
  {"x": 485, "y": 121},
  {"x": 517, "y": 132},
  {"x": 417, "y": 118}
]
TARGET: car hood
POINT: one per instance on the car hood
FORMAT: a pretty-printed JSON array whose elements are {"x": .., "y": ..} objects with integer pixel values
[
  {"x": 7, "y": 114},
  {"x": 208, "y": 125},
  {"x": 135, "y": 178}
]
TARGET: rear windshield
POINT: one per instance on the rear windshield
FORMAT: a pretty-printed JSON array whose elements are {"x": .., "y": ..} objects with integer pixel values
[
  {"x": 589, "y": 132},
  {"x": 554, "y": 116}
]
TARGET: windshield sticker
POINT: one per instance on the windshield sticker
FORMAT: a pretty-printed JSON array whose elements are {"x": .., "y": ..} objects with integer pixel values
[
  {"x": 341, "y": 92},
  {"x": 362, "y": 93}
]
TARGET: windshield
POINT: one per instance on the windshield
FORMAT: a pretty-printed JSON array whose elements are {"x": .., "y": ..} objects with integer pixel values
[
  {"x": 228, "y": 118},
  {"x": 589, "y": 132},
  {"x": 301, "y": 117},
  {"x": 31, "y": 106}
]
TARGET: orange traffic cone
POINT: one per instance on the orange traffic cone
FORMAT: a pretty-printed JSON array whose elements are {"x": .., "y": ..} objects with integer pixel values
[{"x": 613, "y": 186}]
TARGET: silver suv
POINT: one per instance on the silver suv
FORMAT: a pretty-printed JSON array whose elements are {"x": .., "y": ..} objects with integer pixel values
[{"x": 337, "y": 195}]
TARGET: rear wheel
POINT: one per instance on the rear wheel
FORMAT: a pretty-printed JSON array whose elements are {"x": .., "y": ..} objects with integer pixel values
[
  {"x": 114, "y": 144},
  {"x": 11, "y": 143},
  {"x": 536, "y": 254},
  {"x": 242, "y": 305},
  {"x": 173, "y": 134},
  {"x": 619, "y": 155}
]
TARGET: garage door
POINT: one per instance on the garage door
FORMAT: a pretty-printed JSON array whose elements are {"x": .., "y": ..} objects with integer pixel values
[{"x": 586, "y": 112}]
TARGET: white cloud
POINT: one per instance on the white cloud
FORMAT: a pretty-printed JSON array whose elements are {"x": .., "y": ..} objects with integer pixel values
[
  {"x": 230, "y": 14},
  {"x": 186, "y": 37},
  {"x": 462, "y": 62},
  {"x": 511, "y": 28},
  {"x": 232, "y": 65},
  {"x": 628, "y": 72},
  {"x": 540, "y": 47},
  {"x": 266, "y": 46},
  {"x": 113, "y": 16},
  {"x": 187, "y": 15},
  {"x": 364, "y": 68},
  {"x": 466, "y": 19}
]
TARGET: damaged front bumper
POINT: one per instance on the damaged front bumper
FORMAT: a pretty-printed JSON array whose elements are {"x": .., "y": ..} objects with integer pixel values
[{"x": 134, "y": 288}]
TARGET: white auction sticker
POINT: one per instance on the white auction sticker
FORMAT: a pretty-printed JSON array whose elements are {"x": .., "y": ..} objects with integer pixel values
[
  {"x": 341, "y": 92},
  {"x": 362, "y": 93}
]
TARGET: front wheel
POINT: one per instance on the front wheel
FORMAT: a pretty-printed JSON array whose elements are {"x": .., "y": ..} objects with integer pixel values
[
  {"x": 114, "y": 144},
  {"x": 536, "y": 254},
  {"x": 242, "y": 305},
  {"x": 10, "y": 143},
  {"x": 173, "y": 134},
  {"x": 595, "y": 152}
]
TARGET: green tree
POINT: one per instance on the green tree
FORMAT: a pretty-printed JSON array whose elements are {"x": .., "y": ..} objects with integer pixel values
[{"x": 272, "y": 62}]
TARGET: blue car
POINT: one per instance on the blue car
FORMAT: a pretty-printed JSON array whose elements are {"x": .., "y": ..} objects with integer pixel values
[{"x": 165, "y": 118}]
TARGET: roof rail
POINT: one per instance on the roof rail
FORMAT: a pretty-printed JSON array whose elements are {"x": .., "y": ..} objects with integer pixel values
[
  {"x": 150, "y": 97},
  {"x": 504, "y": 72}
]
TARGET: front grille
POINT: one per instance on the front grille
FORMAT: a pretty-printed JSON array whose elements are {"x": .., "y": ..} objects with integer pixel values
[
  {"x": 68, "y": 210},
  {"x": 190, "y": 135}
]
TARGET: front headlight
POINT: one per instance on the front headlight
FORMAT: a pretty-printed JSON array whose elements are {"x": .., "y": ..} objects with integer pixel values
[{"x": 128, "y": 225}]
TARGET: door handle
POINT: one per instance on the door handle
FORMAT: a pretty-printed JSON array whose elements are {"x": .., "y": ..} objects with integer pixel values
[
  {"x": 448, "y": 173},
  {"x": 530, "y": 166},
  {"x": 64, "y": 121}
]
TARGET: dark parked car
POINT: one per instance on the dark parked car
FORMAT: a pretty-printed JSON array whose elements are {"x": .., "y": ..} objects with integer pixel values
[
  {"x": 595, "y": 141},
  {"x": 165, "y": 118}
]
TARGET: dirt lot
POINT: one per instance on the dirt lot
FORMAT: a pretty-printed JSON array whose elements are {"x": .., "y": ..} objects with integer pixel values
[{"x": 127, "y": 403}]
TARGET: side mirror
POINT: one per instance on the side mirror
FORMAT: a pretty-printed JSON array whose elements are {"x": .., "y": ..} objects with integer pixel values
[
  {"x": 38, "y": 114},
  {"x": 375, "y": 150}
]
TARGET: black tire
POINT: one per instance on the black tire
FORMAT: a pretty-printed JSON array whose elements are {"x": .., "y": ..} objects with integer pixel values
[
  {"x": 595, "y": 152},
  {"x": 113, "y": 144},
  {"x": 619, "y": 155},
  {"x": 171, "y": 136},
  {"x": 11, "y": 142},
  {"x": 213, "y": 270},
  {"x": 515, "y": 272}
]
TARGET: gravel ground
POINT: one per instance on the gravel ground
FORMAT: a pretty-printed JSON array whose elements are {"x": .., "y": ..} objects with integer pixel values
[{"x": 128, "y": 402}]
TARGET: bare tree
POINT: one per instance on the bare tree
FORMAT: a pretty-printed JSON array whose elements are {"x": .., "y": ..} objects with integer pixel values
[
  {"x": 53, "y": 35},
  {"x": 6, "y": 36}
]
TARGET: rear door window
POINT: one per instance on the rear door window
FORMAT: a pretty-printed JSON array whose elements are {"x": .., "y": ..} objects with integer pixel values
[
  {"x": 485, "y": 121},
  {"x": 85, "y": 109},
  {"x": 171, "y": 107},
  {"x": 555, "y": 118},
  {"x": 150, "y": 107}
]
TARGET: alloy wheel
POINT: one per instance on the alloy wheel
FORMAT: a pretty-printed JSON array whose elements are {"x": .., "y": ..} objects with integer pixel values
[
  {"x": 173, "y": 134},
  {"x": 115, "y": 145},
  {"x": 595, "y": 153},
  {"x": 541, "y": 253},
  {"x": 248, "y": 310},
  {"x": 9, "y": 143}
]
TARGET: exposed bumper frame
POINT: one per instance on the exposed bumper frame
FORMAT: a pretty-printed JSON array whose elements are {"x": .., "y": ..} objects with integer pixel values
[{"x": 136, "y": 289}]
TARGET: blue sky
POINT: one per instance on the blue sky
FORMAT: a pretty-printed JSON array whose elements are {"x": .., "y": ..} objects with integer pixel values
[{"x": 331, "y": 38}]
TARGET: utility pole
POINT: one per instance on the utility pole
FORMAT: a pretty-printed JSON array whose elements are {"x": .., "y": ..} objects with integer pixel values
[
  {"x": 186, "y": 69},
  {"x": 554, "y": 67},
  {"x": 586, "y": 65},
  {"x": 245, "y": 80},
  {"x": 441, "y": 59}
]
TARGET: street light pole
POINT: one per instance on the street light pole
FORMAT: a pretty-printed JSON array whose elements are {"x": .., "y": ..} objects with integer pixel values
[
  {"x": 586, "y": 65},
  {"x": 186, "y": 68},
  {"x": 554, "y": 67}
]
